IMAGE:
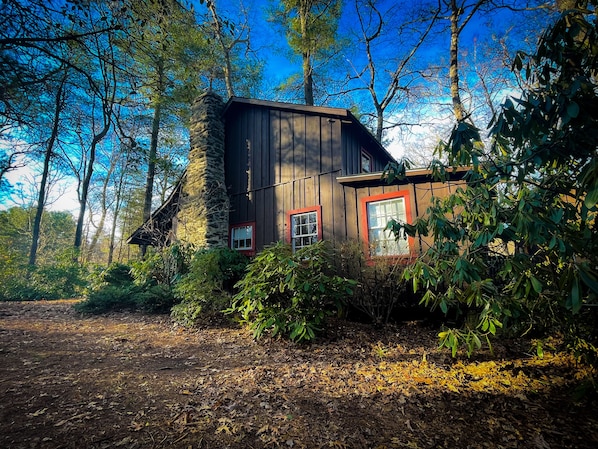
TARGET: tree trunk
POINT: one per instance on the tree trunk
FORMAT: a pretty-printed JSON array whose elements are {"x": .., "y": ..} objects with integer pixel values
[
  {"x": 379, "y": 122},
  {"x": 227, "y": 68},
  {"x": 458, "y": 108},
  {"x": 41, "y": 200},
  {"x": 86, "y": 182},
  {"x": 153, "y": 152},
  {"x": 104, "y": 204},
  {"x": 308, "y": 88}
]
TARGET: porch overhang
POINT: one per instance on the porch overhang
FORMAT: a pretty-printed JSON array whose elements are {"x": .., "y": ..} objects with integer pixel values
[{"x": 411, "y": 177}]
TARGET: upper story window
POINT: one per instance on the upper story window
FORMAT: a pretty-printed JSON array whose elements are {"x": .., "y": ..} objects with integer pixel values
[
  {"x": 242, "y": 237},
  {"x": 378, "y": 211},
  {"x": 305, "y": 227},
  {"x": 366, "y": 162}
]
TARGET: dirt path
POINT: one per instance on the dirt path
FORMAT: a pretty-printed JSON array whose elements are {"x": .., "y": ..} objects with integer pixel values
[{"x": 135, "y": 381}]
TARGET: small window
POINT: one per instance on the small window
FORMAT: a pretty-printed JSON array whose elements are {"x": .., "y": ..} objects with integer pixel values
[
  {"x": 241, "y": 237},
  {"x": 366, "y": 162},
  {"x": 305, "y": 227},
  {"x": 378, "y": 211}
]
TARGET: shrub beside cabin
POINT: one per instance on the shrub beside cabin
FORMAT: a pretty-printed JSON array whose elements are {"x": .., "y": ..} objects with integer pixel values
[{"x": 261, "y": 172}]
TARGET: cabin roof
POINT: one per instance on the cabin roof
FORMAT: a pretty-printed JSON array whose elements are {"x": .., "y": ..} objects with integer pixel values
[{"x": 154, "y": 230}]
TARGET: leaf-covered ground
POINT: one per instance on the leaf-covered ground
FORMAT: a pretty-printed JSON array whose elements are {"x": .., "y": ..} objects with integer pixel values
[{"x": 136, "y": 381}]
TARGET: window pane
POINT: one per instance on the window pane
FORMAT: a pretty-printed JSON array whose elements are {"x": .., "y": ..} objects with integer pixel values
[
  {"x": 241, "y": 237},
  {"x": 366, "y": 163},
  {"x": 383, "y": 242},
  {"x": 304, "y": 229}
]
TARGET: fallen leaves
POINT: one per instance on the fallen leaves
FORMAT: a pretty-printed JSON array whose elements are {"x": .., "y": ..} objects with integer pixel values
[{"x": 129, "y": 380}]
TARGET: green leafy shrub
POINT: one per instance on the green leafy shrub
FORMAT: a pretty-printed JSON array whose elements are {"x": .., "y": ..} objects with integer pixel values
[
  {"x": 110, "y": 298},
  {"x": 157, "y": 275},
  {"x": 145, "y": 286},
  {"x": 163, "y": 266},
  {"x": 290, "y": 294},
  {"x": 531, "y": 199},
  {"x": 157, "y": 298},
  {"x": 208, "y": 286},
  {"x": 110, "y": 289},
  {"x": 65, "y": 278},
  {"x": 115, "y": 274}
]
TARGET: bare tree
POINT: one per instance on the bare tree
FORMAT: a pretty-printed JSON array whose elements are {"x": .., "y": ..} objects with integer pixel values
[
  {"x": 48, "y": 156},
  {"x": 386, "y": 79},
  {"x": 103, "y": 95},
  {"x": 226, "y": 45}
]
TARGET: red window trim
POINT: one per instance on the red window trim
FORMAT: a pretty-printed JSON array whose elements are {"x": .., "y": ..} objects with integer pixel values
[
  {"x": 364, "y": 221},
  {"x": 317, "y": 209},
  {"x": 247, "y": 252}
]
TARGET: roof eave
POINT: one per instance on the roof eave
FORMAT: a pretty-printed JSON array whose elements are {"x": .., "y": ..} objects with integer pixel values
[{"x": 411, "y": 176}]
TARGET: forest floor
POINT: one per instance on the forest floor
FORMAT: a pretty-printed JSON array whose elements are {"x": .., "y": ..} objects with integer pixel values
[{"x": 137, "y": 381}]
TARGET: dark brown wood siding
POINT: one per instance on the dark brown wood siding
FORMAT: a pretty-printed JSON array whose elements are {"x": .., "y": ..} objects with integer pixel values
[
  {"x": 277, "y": 161},
  {"x": 354, "y": 141},
  {"x": 281, "y": 160}
]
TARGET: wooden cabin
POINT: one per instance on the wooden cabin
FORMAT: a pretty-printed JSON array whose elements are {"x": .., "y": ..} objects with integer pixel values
[{"x": 300, "y": 174}]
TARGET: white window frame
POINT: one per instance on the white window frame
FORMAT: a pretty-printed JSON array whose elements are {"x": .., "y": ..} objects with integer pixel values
[
  {"x": 244, "y": 243},
  {"x": 305, "y": 227}
]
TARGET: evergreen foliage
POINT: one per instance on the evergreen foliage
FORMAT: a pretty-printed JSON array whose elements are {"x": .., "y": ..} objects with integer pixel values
[
  {"x": 56, "y": 275},
  {"x": 290, "y": 294},
  {"x": 517, "y": 249},
  {"x": 146, "y": 285},
  {"x": 208, "y": 286},
  {"x": 19, "y": 281}
]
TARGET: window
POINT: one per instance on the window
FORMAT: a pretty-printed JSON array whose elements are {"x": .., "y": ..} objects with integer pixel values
[
  {"x": 304, "y": 227},
  {"x": 378, "y": 211},
  {"x": 241, "y": 237},
  {"x": 366, "y": 162}
]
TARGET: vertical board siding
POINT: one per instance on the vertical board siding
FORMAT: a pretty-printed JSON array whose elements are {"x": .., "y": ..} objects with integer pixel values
[
  {"x": 299, "y": 138},
  {"x": 254, "y": 142},
  {"x": 268, "y": 223},
  {"x": 312, "y": 145},
  {"x": 352, "y": 144},
  {"x": 277, "y": 214},
  {"x": 310, "y": 191},
  {"x": 339, "y": 207},
  {"x": 336, "y": 152},
  {"x": 267, "y": 166},
  {"x": 286, "y": 146},
  {"x": 326, "y": 201},
  {"x": 351, "y": 212},
  {"x": 360, "y": 194},
  {"x": 345, "y": 143},
  {"x": 259, "y": 214},
  {"x": 275, "y": 141},
  {"x": 326, "y": 146},
  {"x": 279, "y": 160}
]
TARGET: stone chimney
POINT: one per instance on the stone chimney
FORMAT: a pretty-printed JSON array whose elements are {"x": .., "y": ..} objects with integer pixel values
[{"x": 204, "y": 204}]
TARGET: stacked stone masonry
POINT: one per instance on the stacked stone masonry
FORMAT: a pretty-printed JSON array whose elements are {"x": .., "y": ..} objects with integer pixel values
[{"x": 204, "y": 204}]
